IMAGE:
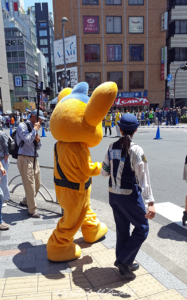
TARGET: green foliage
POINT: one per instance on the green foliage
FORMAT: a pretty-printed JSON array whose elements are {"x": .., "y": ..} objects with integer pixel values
[
  {"x": 26, "y": 103},
  {"x": 183, "y": 119}
]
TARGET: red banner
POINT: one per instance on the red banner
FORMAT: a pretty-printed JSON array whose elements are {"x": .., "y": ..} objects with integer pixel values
[
  {"x": 131, "y": 101},
  {"x": 162, "y": 71}
]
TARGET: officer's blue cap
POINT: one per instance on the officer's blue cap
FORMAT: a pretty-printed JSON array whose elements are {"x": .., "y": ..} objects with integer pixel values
[
  {"x": 128, "y": 122},
  {"x": 80, "y": 92}
]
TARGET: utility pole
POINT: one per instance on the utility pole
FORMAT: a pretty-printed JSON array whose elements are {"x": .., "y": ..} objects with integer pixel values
[{"x": 64, "y": 21}]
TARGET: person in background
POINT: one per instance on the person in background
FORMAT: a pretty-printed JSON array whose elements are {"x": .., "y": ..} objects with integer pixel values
[
  {"x": 146, "y": 117},
  {"x": 4, "y": 158},
  {"x": 151, "y": 117},
  {"x": 24, "y": 117},
  {"x": 118, "y": 117},
  {"x": 169, "y": 117},
  {"x": 142, "y": 118},
  {"x": 108, "y": 124},
  {"x": 174, "y": 115},
  {"x": 3, "y": 225},
  {"x": 12, "y": 121}
]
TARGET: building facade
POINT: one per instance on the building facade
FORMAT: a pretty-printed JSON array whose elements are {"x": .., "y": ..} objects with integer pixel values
[
  {"x": 45, "y": 38},
  {"x": 177, "y": 51},
  {"x": 117, "y": 40},
  {"x": 5, "y": 103},
  {"x": 42, "y": 69}
]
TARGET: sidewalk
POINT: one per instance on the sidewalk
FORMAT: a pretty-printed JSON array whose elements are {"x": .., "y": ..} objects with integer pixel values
[{"x": 26, "y": 273}]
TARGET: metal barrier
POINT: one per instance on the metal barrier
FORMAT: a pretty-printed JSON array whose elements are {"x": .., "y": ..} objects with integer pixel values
[{"x": 19, "y": 184}]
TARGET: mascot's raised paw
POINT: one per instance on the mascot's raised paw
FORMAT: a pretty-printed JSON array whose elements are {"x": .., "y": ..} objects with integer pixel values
[{"x": 76, "y": 124}]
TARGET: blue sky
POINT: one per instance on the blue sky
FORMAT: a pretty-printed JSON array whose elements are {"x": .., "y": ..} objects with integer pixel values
[{"x": 31, "y": 3}]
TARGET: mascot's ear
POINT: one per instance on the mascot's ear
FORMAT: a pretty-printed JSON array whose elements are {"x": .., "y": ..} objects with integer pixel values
[
  {"x": 65, "y": 92},
  {"x": 100, "y": 103}
]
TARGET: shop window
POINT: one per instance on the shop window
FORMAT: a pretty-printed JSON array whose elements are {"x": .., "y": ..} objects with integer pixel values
[
  {"x": 114, "y": 52},
  {"x": 117, "y": 77},
  {"x": 92, "y": 53},
  {"x": 113, "y": 2},
  {"x": 90, "y": 2},
  {"x": 93, "y": 79},
  {"x": 136, "y": 2},
  {"x": 136, "y": 80},
  {"x": 136, "y": 52},
  {"x": 113, "y": 25}
]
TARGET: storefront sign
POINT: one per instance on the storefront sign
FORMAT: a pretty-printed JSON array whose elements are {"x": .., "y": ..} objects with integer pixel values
[
  {"x": 132, "y": 95},
  {"x": 164, "y": 63},
  {"x": 136, "y": 24},
  {"x": 72, "y": 78},
  {"x": 131, "y": 102},
  {"x": 91, "y": 24},
  {"x": 70, "y": 50},
  {"x": 164, "y": 21}
]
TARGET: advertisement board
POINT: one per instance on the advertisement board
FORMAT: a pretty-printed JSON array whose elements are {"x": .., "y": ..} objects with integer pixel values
[
  {"x": 114, "y": 53},
  {"x": 131, "y": 102},
  {"x": 91, "y": 24},
  {"x": 70, "y": 50},
  {"x": 72, "y": 78},
  {"x": 136, "y": 24},
  {"x": 164, "y": 63},
  {"x": 164, "y": 21}
]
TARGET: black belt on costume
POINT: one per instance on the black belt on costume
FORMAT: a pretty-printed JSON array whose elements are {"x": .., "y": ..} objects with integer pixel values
[{"x": 64, "y": 182}]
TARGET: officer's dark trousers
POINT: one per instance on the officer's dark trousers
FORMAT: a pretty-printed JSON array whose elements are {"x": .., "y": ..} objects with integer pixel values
[
  {"x": 129, "y": 210},
  {"x": 174, "y": 121}
]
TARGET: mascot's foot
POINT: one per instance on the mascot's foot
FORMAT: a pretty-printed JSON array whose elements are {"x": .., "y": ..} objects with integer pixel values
[
  {"x": 72, "y": 253},
  {"x": 93, "y": 236}
]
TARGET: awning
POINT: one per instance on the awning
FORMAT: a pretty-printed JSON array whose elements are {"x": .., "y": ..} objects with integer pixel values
[{"x": 131, "y": 101}]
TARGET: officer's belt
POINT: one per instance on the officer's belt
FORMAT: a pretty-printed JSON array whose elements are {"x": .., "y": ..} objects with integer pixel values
[{"x": 64, "y": 182}]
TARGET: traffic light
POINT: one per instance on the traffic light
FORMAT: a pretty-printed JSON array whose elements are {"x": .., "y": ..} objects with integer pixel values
[{"x": 183, "y": 67}]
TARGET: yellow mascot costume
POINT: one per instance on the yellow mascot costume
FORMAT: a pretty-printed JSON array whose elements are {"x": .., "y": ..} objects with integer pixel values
[{"x": 76, "y": 123}]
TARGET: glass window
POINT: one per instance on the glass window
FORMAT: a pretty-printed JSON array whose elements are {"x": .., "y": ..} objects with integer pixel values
[
  {"x": 13, "y": 43},
  {"x": 48, "y": 79},
  {"x": 22, "y": 65},
  {"x": 136, "y": 2},
  {"x": 92, "y": 53},
  {"x": 177, "y": 54},
  {"x": 113, "y": 25},
  {"x": 136, "y": 80},
  {"x": 8, "y": 43},
  {"x": 14, "y": 54},
  {"x": 114, "y": 52},
  {"x": 20, "y": 42},
  {"x": 8, "y": 33},
  {"x": 42, "y": 32},
  {"x": 117, "y": 77},
  {"x": 21, "y": 53},
  {"x": 90, "y": 2},
  {"x": 47, "y": 58},
  {"x": 43, "y": 41},
  {"x": 8, "y": 54},
  {"x": 136, "y": 52},
  {"x": 42, "y": 24},
  {"x": 93, "y": 79},
  {"x": 180, "y": 27},
  {"x": 113, "y": 2},
  {"x": 15, "y": 65},
  {"x": 44, "y": 50},
  {"x": 9, "y": 67}
]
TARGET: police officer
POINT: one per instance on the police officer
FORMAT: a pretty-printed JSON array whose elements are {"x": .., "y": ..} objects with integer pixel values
[
  {"x": 127, "y": 167},
  {"x": 174, "y": 115}
]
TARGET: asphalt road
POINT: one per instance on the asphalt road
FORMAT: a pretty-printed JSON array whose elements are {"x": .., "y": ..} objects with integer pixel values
[{"x": 165, "y": 158}]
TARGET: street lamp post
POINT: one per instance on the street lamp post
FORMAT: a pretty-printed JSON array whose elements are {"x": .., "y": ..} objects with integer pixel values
[
  {"x": 64, "y": 21},
  {"x": 184, "y": 68}
]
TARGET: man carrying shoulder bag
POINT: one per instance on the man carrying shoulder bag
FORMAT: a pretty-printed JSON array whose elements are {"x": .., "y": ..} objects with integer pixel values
[{"x": 27, "y": 162}]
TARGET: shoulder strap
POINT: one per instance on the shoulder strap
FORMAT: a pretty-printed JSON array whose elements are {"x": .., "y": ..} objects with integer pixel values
[
  {"x": 29, "y": 127},
  {"x": 60, "y": 172}
]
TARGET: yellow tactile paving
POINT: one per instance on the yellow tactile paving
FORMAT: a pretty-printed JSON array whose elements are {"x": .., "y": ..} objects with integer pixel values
[
  {"x": 45, "y": 296},
  {"x": 168, "y": 295},
  {"x": 117, "y": 290},
  {"x": 82, "y": 264},
  {"x": 23, "y": 279},
  {"x": 140, "y": 271},
  {"x": 90, "y": 248},
  {"x": 23, "y": 290},
  {"x": 146, "y": 285},
  {"x": 8, "y": 298},
  {"x": 105, "y": 257},
  {"x": 39, "y": 235},
  {"x": 79, "y": 281},
  {"x": 101, "y": 276},
  {"x": 69, "y": 295},
  {"x": 53, "y": 277}
]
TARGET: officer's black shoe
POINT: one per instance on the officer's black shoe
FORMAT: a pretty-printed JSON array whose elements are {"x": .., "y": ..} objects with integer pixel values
[
  {"x": 133, "y": 268},
  {"x": 124, "y": 270}
]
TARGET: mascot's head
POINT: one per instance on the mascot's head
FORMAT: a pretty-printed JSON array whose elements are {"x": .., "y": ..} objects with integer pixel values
[{"x": 78, "y": 118}]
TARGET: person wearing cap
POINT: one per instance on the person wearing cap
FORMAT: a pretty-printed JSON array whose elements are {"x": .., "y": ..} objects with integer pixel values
[
  {"x": 174, "y": 116},
  {"x": 108, "y": 123},
  {"x": 129, "y": 180},
  {"x": 28, "y": 133}
]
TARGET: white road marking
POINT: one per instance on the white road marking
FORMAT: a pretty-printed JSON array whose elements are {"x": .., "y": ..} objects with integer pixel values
[{"x": 171, "y": 211}]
